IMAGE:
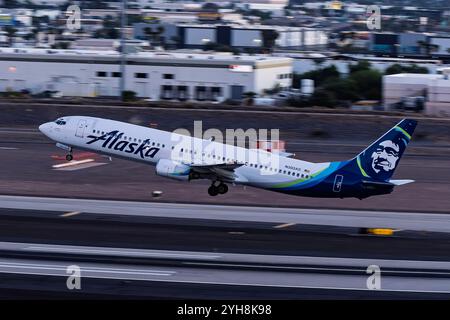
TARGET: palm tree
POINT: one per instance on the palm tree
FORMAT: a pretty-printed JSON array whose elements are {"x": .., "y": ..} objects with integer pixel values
[
  {"x": 269, "y": 36},
  {"x": 10, "y": 31}
]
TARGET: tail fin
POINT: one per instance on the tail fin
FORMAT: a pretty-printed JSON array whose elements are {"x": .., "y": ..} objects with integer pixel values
[{"x": 379, "y": 160}]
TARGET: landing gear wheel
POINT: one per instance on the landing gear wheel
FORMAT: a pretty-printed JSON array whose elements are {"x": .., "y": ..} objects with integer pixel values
[
  {"x": 222, "y": 188},
  {"x": 69, "y": 157},
  {"x": 213, "y": 191}
]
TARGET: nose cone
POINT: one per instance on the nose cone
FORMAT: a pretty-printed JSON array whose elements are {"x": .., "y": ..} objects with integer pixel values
[{"x": 45, "y": 128}]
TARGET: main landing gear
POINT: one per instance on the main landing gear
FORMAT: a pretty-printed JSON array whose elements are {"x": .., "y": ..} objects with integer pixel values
[{"x": 216, "y": 189}]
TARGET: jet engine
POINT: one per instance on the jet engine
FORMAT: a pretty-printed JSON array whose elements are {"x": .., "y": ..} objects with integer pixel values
[{"x": 173, "y": 169}]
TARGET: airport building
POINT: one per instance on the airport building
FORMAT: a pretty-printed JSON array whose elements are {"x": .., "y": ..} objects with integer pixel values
[
  {"x": 238, "y": 36},
  {"x": 154, "y": 75},
  {"x": 410, "y": 44},
  {"x": 407, "y": 88}
]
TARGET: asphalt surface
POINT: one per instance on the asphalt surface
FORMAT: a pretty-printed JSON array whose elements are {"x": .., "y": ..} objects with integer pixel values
[
  {"x": 425, "y": 222},
  {"x": 227, "y": 258},
  {"x": 120, "y": 252},
  {"x": 259, "y": 224},
  {"x": 27, "y": 170},
  {"x": 146, "y": 232},
  {"x": 27, "y": 157}
]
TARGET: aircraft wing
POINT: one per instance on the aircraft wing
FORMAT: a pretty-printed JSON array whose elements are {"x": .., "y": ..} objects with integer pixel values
[
  {"x": 222, "y": 171},
  {"x": 278, "y": 153},
  {"x": 285, "y": 154}
]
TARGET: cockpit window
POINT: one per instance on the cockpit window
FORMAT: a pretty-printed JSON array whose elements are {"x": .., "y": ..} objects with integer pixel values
[{"x": 60, "y": 122}]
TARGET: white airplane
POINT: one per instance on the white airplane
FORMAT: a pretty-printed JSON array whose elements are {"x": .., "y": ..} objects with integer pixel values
[{"x": 186, "y": 158}]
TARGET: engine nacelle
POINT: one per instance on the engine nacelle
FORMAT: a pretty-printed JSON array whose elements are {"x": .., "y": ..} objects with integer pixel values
[{"x": 172, "y": 169}]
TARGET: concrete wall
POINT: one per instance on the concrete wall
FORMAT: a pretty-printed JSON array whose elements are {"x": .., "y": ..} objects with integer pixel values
[{"x": 85, "y": 81}]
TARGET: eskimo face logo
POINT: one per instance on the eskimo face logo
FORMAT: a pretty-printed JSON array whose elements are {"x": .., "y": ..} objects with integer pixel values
[
  {"x": 113, "y": 140},
  {"x": 385, "y": 156}
]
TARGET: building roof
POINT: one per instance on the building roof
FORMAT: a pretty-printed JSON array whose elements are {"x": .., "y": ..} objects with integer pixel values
[{"x": 150, "y": 57}]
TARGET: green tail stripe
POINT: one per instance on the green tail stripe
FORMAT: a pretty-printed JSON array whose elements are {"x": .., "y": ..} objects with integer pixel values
[
  {"x": 361, "y": 168},
  {"x": 404, "y": 132}
]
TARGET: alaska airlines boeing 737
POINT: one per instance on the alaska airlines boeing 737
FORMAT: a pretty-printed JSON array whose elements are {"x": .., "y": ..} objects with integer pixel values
[{"x": 186, "y": 158}]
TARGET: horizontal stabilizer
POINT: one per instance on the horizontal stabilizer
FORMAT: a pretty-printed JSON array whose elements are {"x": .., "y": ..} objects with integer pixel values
[{"x": 401, "y": 182}]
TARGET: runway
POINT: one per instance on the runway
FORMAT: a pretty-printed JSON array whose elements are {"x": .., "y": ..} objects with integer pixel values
[
  {"x": 247, "y": 244},
  {"x": 220, "y": 254},
  {"x": 343, "y": 218},
  {"x": 179, "y": 268}
]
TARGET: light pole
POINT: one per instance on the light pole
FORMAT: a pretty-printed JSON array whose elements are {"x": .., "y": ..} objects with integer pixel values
[{"x": 122, "y": 48}]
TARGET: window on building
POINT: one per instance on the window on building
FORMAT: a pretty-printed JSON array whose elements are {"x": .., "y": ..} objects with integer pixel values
[
  {"x": 216, "y": 92},
  {"x": 141, "y": 75},
  {"x": 116, "y": 74},
  {"x": 167, "y": 92},
  {"x": 200, "y": 93},
  {"x": 183, "y": 92},
  {"x": 101, "y": 74},
  {"x": 168, "y": 76}
]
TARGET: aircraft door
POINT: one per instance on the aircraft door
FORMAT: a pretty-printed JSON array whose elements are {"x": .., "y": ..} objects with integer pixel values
[{"x": 82, "y": 124}]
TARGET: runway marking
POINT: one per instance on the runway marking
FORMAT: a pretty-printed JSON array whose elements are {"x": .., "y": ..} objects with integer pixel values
[
  {"x": 82, "y": 166},
  {"x": 124, "y": 252},
  {"x": 70, "y": 214},
  {"x": 72, "y": 163},
  {"x": 284, "y": 225},
  {"x": 77, "y": 165},
  {"x": 100, "y": 276},
  {"x": 236, "y": 232},
  {"x": 8, "y": 148},
  {"x": 85, "y": 269}
]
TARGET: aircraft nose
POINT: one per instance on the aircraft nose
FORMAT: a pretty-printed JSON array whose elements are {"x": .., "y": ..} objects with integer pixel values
[{"x": 45, "y": 127}]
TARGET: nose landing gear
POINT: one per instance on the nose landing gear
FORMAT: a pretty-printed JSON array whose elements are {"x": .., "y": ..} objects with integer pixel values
[{"x": 214, "y": 189}]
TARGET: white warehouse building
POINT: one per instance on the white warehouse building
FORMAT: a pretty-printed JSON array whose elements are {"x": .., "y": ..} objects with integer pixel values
[
  {"x": 435, "y": 88},
  {"x": 155, "y": 75}
]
